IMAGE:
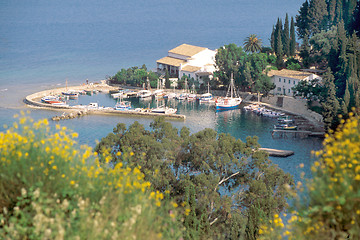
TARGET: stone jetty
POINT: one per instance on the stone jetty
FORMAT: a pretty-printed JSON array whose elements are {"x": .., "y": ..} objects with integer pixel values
[{"x": 34, "y": 100}]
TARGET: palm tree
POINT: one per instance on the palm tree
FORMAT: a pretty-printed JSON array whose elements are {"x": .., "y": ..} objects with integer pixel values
[{"x": 252, "y": 44}]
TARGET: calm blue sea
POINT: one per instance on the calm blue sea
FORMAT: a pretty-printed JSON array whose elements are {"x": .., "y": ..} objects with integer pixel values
[{"x": 43, "y": 43}]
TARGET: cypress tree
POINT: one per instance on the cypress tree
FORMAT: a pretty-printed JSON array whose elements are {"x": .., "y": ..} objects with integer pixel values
[
  {"x": 355, "y": 20},
  {"x": 278, "y": 47},
  {"x": 292, "y": 38},
  {"x": 302, "y": 20},
  {"x": 342, "y": 61},
  {"x": 338, "y": 11},
  {"x": 349, "y": 7},
  {"x": 331, "y": 104},
  {"x": 286, "y": 37},
  {"x": 331, "y": 12},
  {"x": 318, "y": 15},
  {"x": 305, "y": 51},
  {"x": 272, "y": 39}
]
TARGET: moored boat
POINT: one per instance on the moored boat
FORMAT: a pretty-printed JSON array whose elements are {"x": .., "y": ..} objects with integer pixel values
[
  {"x": 144, "y": 93},
  {"x": 285, "y": 127},
  {"x": 231, "y": 101}
]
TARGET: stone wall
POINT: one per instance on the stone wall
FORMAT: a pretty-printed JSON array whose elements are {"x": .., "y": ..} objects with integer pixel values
[{"x": 292, "y": 105}]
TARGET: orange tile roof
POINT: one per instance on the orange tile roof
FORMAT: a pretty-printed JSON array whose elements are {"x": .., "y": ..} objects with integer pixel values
[
  {"x": 171, "y": 61},
  {"x": 189, "y": 68},
  {"x": 187, "y": 50},
  {"x": 289, "y": 73}
]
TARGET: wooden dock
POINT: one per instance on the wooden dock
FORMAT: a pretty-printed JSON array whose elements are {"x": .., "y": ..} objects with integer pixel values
[
  {"x": 295, "y": 133},
  {"x": 277, "y": 153}
]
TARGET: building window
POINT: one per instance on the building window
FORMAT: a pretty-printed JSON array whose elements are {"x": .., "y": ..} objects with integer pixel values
[
  {"x": 294, "y": 82},
  {"x": 279, "y": 79},
  {"x": 289, "y": 91},
  {"x": 289, "y": 81},
  {"x": 189, "y": 75},
  {"x": 284, "y": 80}
]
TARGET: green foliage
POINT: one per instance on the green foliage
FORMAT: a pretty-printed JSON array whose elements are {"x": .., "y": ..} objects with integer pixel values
[
  {"x": 52, "y": 188},
  {"x": 218, "y": 177},
  {"x": 331, "y": 208},
  {"x": 286, "y": 37},
  {"x": 135, "y": 76},
  {"x": 248, "y": 69},
  {"x": 252, "y": 44},
  {"x": 167, "y": 79},
  {"x": 292, "y": 45}
]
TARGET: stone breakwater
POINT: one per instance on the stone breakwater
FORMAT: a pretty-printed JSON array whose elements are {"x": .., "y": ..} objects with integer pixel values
[{"x": 34, "y": 100}]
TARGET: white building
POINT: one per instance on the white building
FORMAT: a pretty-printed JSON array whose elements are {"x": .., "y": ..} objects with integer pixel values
[
  {"x": 192, "y": 61},
  {"x": 286, "y": 79}
]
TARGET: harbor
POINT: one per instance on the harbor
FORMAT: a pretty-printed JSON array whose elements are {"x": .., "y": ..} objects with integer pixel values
[{"x": 48, "y": 100}]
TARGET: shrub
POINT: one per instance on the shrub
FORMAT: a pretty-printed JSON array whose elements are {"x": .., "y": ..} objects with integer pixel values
[
  {"x": 52, "y": 188},
  {"x": 331, "y": 209}
]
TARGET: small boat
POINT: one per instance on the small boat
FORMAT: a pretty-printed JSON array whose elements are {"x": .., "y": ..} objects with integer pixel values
[
  {"x": 231, "y": 101},
  {"x": 123, "y": 105},
  {"x": 285, "y": 127},
  {"x": 284, "y": 119},
  {"x": 170, "y": 95},
  {"x": 144, "y": 93},
  {"x": 182, "y": 96},
  {"x": 191, "y": 97},
  {"x": 207, "y": 97},
  {"x": 164, "y": 110},
  {"x": 53, "y": 101},
  {"x": 117, "y": 95},
  {"x": 72, "y": 94}
]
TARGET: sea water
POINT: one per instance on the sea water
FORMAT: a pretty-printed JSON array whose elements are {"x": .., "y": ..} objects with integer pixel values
[{"x": 45, "y": 43}]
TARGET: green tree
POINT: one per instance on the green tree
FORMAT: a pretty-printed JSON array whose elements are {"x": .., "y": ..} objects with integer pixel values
[
  {"x": 318, "y": 16},
  {"x": 218, "y": 177},
  {"x": 252, "y": 44},
  {"x": 229, "y": 59},
  {"x": 302, "y": 20},
  {"x": 167, "y": 79},
  {"x": 305, "y": 52},
  {"x": 286, "y": 37},
  {"x": 330, "y": 104},
  {"x": 330, "y": 208},
  {"x": 292, "y": 45}
]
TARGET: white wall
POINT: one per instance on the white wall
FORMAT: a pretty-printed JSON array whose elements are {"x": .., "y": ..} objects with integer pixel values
[{"x": 284, "y": 85}]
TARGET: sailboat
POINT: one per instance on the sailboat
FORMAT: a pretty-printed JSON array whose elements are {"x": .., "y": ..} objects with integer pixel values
[
  {"x": 184, "y": 94},
  {"x": 145, "y": 93},
  {"x": 122, "y": 105},
  {"x": 72, "y": 94},
  {"x": 192, "y": 95},
  {"x": 159, "y": 92},
  {"x": 207, "y": 97},
  {"x": 231, "y": 101},
  {"x": 163, "y": 109}
]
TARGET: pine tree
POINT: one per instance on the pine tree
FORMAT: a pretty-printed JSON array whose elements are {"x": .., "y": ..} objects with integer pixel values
[
  {"x": 292, "y": 45},
  {"x": 286, "y": 37}
]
